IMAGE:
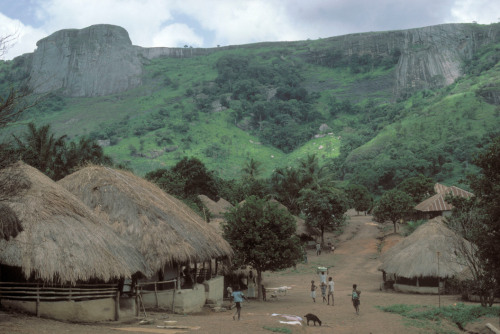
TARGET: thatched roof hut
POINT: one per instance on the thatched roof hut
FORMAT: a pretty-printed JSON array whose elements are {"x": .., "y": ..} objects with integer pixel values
[
  {"x": 59, "y": 239},
  {"x": 436, "y": 205},
  {"x": 417, "y": 254},
  {"x": 216, "y": 209},
  {"x": 161, "y": 227}
]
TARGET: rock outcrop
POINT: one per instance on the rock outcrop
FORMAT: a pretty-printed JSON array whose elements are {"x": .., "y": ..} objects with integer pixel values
[
  {"x": 98, "y": 60},
  {"x": 101, "y": 60}
]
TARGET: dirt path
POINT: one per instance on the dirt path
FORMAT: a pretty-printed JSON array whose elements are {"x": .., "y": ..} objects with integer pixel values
[{"x": 354, "y": 261}]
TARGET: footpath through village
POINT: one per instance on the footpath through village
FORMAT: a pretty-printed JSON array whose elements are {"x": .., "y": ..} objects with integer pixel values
[{"x": 354, "y": 261}]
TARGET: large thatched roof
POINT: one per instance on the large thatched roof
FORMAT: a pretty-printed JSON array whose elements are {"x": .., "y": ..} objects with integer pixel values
[
  {"x": 164, "y": 229},
  {"x": 416, "y": 255},
  {"x": 437, "y": 202},
  {"x": 59, "y": 239}
]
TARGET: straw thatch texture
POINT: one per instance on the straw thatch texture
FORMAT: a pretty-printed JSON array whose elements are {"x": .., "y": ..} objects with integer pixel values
[
  {"x": 416, "y": 255},
  {"x": 216, "y": 209},
  {"x": 164, "y": 229},
  {"x": 62, "y": 240},
  {"x": 10, "y": 225},
  {"x": 437, "y": 202}
]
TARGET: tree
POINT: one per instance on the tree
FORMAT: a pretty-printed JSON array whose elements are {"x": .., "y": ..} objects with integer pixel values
[
  {"x": 359, "y": 196},
  {"x": 418, "y": 187},
  {"x": 251, "y": 168},
  {"x": 286, "y": 184},
  {"x": 198, "y": 179},
  {"x": 40, "y": 148},
  {"x": 394, "y": 205},
  {"x": 324, "y": 208},
  {"x": 262, "y": 236}
]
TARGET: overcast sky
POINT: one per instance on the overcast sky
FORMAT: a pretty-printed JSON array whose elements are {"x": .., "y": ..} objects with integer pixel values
[{"x": 208, "y": 23}]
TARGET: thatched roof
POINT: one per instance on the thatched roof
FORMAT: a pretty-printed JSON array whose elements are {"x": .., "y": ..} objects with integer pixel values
[
  {"x": 416, "y": 255},
  {"x": 216, "y": 209},
  {"x": 437, "y": 202},
  {"x": 61, "y": 240},
  {"x": 161, "y": 227}
]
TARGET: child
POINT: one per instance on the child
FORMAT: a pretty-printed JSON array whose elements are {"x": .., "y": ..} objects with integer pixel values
[
  {"x": 323, "y": 291},
  {"x": 313, "y": 291},
  {"x": 355, "y": 297},
  {"x": 331, "y": 286},
  {"x": 238, "y": 297}
]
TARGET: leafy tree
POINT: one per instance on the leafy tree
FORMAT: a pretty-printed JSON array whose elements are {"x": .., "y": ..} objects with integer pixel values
[
  {"x": 198, "y": 179},
  {"x": 394, "y": 205},
  {"x": 359, "y": 197},
  {"x": 418, "y": 187},
  {"x": 324, "y": 208},
  {"x": 262, "y": 236}
]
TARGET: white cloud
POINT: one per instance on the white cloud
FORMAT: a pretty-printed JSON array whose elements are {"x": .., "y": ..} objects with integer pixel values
[
  {"x": 177, "y": 35},
  {"x": 481, "y": 11},
  {"x": 24, "y": 37}
]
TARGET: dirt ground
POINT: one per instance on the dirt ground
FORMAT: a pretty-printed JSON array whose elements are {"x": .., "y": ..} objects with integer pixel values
[{"x": 354, "y": 261}]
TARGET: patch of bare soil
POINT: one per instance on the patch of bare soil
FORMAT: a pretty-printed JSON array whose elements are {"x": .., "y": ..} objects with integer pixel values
[{"x": 355, "y": 260}]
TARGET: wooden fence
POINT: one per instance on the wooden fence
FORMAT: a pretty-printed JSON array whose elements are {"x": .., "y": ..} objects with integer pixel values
[{"x": 39, "y": 292}]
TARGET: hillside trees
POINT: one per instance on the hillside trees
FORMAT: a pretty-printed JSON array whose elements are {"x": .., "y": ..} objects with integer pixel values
[
  {"x": 419, "y": 188},
  {"x": 262, "y": 236}
]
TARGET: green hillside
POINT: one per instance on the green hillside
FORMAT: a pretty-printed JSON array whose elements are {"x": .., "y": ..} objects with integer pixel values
[{"x": 267, "y": 102}]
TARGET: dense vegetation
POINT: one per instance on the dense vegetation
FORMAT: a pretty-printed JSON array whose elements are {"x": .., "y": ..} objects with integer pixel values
[{"x": 276, "y": 103}]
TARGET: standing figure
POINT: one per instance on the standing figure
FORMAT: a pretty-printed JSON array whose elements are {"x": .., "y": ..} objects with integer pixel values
[
  {"x": 323, "y": 291},
  {"x": 251, "y": 285},
  {"x": 318, "y": 248},
  {"x": 355, "y": 297},
  {"x": 330, "y": 289},
  {"x": 313, "y": 291},
  {"x": 263, "y": 292},
  {"x": 238, "y": 297},
  {"x": 322, "y": 277}
]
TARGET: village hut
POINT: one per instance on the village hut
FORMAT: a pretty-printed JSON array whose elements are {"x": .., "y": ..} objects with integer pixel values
[
  {"x": 423, "y": 261},
  {"x": 436, "y": 205},
  {"x": 54, "y": 248},
  {"x": 217, "y": 209},
  {"x": 167, "y": 232}
]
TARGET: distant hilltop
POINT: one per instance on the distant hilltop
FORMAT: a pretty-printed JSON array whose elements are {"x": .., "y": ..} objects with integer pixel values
[{"x": 101, "y": 60}]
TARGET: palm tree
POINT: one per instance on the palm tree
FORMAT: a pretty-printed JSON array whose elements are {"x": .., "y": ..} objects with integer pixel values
[
  {"x": 40, "y": 148},
  {"x": 312, "y": 174},
  {"x": 251, "y": 168},
  {"x": 286, "y": 184}
]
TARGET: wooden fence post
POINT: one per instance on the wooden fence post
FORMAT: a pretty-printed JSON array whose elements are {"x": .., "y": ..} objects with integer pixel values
[{"x": 37, "y": 300}]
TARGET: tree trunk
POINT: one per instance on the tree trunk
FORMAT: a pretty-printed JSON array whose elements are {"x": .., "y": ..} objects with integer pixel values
[
  {"x": 395, "y": 226},
  {"x": 259, "y": 285}
]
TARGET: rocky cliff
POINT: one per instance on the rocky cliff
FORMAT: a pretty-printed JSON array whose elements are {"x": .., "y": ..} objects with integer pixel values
[
  {"x": 98, "y": 60},
  {"x": 101, "y": 60}
]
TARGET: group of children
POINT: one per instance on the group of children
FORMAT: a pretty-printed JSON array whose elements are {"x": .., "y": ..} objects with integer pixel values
[{"x": 355, "y": 294}]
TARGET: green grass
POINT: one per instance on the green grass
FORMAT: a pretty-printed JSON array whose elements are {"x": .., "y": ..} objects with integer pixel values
[
  {"x": 278, "y": 329},
  {"x": 432, "y": 317}
]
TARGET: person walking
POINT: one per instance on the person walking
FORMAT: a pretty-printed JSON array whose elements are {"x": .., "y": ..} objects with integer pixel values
[
  {"x": 238, "y": 297},
  {"x": 330, "y": 289},
  {"x": 355, "y": 297},
  {"x": 313, "y": 291}
]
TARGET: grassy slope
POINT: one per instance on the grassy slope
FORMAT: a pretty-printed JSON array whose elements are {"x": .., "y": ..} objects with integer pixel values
[{"x": 166, "y": 80}]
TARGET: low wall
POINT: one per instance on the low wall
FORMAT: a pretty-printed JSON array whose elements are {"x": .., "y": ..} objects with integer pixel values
[
  {"x": 187, "y": 300},
  {"x": 81, "y": 311},
  {"x": 214, "y": 290},
  {"x": 416, "y": 289}
]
